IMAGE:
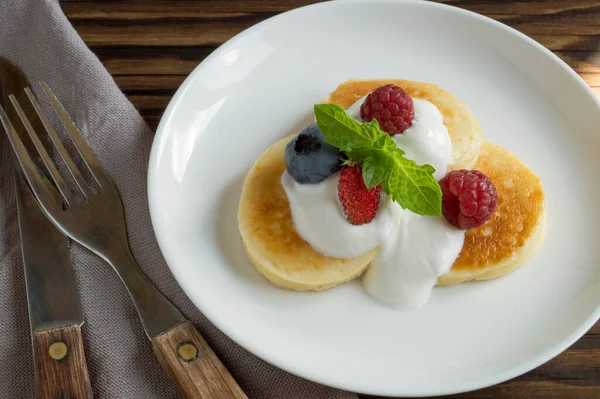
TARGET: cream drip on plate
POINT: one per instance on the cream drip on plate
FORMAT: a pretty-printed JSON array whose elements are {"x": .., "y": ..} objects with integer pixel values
[{"x": 414, "y": 250}]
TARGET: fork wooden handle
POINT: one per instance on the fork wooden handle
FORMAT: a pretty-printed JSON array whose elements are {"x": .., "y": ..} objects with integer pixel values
[
  {"x": 193, "y": 365},
  {"x": 60, "y": 364}
]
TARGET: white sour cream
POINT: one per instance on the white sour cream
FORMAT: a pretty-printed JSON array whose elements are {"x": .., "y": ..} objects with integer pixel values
[{"x": 413, "y": 250}]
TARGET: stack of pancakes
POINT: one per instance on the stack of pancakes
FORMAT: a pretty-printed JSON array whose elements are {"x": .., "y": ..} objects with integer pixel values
[{"x": 502, "y": 244}]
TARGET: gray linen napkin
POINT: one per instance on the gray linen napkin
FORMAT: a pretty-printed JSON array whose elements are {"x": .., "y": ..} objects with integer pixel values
[{"x": 35, "y": 35}]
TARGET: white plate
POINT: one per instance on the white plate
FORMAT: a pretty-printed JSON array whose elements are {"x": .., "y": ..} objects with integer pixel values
[{"x": 261, "y": 86}]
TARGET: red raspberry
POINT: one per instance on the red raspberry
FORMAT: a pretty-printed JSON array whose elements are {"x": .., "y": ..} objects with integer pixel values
[
  {"x": 359, "y": 203},
  {"x": 391, "y": 106},
  {"x": 468, "y": 198}
]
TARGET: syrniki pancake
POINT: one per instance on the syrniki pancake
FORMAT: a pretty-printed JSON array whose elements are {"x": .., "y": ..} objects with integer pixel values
[
  {"x": 463, "y": 127},
  {"x": 496, "y": 248},
  {"x": 515, "y": 230},
  {"x": 270, "y": 239}
]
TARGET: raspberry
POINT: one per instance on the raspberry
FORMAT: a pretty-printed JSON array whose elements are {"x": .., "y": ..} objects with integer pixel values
[
  {"x": 358, "y": 203},
  {"x": 468, "y": 198},
  {"x": 391, "y": 106}
]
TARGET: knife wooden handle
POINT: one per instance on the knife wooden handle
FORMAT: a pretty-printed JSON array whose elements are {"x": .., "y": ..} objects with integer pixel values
[
  {"x": 193, "y": 365},
  {"x": 60, "y": 364}
]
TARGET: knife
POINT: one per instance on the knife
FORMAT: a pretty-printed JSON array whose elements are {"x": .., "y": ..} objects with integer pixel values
[{"x": 55, "y": 314}]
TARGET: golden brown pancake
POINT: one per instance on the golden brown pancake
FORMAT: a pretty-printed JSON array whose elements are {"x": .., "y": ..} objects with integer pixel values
[
  {"x": 515, "y": 229},
  {"x": 270, "y": 238},
  {"x": 463, "y": 127},
  {"x": 496, "y": 248}
]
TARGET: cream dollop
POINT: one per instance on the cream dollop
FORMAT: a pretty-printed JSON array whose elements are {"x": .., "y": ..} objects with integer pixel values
[{"x": 414, "y": 250}]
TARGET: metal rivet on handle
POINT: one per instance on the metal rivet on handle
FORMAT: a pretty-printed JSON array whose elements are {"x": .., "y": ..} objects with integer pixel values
[
  {"x": 58, "y": 350},
  {"x": 187, "y": 351}
]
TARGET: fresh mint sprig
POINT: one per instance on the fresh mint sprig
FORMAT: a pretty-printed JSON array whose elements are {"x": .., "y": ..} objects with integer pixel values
[{"x": 407, "y": 183}]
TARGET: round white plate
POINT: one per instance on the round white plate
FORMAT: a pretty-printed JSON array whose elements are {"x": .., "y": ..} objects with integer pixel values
[{"x": 261, "y": 86}]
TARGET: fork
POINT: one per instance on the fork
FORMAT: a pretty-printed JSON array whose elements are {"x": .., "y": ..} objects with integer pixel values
[{"x": 98, "y": 223}]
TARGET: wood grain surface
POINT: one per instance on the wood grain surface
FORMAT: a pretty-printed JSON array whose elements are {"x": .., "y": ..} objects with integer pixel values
[
  {"x": 192, "y": 364},
  {"x": 151, "y": 46},
  {"x": 60, "y": 365}
]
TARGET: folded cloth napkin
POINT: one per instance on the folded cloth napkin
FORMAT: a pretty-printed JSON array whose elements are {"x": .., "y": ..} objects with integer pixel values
[{"x": 36, "y": 36}]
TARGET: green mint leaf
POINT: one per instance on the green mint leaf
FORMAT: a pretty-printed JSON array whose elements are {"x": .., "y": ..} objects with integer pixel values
[
  {"x": 407, "y": 183},
  {"x": 358, "y": 156},
  {"x": 413, "y": 186},
  {"x": 385, "y": 143},
  {"x": 373, "y": 172},
  {"x": 376, "y": 167},
  {"x": 343, "y": 132}
]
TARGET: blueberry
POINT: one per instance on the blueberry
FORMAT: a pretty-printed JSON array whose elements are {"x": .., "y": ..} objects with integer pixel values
[{"x": 309, "y": 159}]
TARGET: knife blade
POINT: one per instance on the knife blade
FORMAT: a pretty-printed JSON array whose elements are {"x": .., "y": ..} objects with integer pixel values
[{"x": 55, "y": 313}]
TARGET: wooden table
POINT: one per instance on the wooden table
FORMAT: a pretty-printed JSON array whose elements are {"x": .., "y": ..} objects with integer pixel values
[{"x": 150, "y": 47}]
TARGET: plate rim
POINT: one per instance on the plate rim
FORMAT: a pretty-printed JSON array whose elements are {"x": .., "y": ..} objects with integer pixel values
[{"x": 256, "y": 350}]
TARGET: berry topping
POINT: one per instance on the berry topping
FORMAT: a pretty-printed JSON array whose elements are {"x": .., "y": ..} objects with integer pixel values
[
  {"x": 468, "y": 198},
  {"x": 309, "y": 159},
  {"x": 391, "y": 106},
  {"x": 358, "y": 202}
]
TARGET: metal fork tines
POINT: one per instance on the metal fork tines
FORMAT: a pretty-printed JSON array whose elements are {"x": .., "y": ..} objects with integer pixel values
[{"x": 98, "y": 222}]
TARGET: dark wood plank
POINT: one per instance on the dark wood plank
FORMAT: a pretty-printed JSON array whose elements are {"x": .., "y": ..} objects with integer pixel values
[
  {"x": 156, "y": 60},
  {"x": 150, "y": 102},
  {"x": 166, "y": 33},
  {"x": 182, "y": 23},
  {"x": 140, "y": 83},
  {"x": 142, "y": 10},
  {"x": 581, "y": 62},
  {"x": 595, "y": 331}
]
